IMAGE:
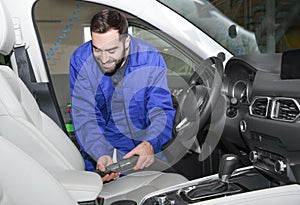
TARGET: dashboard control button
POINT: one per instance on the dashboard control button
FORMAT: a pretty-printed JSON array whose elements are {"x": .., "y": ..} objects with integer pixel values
[
  {"x": 161, "y": 200},
  {"x": 253, "y": 156},
  {"x": 243, "y": 126},
  {"x": 279, "y": 166}
]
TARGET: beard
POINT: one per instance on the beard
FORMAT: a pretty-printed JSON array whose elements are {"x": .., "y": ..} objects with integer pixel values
[{"x": 113, "y": 69}]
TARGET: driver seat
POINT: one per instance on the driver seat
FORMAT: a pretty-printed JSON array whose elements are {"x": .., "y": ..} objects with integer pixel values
[{"x": 25, "y": 125}]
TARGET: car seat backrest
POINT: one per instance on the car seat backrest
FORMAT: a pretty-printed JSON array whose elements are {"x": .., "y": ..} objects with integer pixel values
[
  {"x": 21, "y": 120},
  {"x": 24, "y": 181},
  {"x": 22, "y": 95},
  {"x": 17, "y": 125}
]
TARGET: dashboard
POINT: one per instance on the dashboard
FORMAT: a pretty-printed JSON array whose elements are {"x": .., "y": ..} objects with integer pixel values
[{"x": 267, "y": 111}]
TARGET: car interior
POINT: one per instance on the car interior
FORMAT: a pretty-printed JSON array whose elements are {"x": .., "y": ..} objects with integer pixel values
[{"x": 241, "y": 128}]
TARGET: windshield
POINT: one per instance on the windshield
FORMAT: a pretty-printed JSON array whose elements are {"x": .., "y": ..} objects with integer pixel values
[{"x": 244, "y": 27}]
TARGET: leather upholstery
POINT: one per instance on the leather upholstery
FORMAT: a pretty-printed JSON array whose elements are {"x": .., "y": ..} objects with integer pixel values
[
  {"x": 24, "y": 182},
  {"x": 25, "y": 125}
]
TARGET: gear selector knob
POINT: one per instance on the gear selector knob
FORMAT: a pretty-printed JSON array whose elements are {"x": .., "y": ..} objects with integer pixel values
[{"x": 228, "y": 164}]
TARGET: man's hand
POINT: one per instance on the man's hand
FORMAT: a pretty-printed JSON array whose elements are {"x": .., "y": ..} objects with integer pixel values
[
  {"x": 146, "y": 155},
  {"x": 102, "y": 163}
]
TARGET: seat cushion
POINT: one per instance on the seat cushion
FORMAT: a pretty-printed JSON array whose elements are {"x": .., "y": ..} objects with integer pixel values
[
  {"x": 25, "y": 181},
  {"x": 136, "y": 185}
]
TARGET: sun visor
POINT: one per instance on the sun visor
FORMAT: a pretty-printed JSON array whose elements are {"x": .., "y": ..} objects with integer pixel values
[{"x": 290, "y": 64}]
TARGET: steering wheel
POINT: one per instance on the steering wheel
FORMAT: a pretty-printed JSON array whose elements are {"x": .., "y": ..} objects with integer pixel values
[{"x": 195, "y": 107}]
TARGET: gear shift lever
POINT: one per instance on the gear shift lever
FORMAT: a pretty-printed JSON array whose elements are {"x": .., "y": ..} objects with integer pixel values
[
  {"x": 219, "y": 187},
  {"x": 227, "y": 165}
]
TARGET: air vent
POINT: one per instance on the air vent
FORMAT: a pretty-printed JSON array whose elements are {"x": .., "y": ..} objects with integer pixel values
[
  {"x": 259, "y": 106},
  {"x": 285, "y": 109}
]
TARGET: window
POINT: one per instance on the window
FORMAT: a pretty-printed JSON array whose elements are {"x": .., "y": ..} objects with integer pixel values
[{"x": 177, "y": 63}]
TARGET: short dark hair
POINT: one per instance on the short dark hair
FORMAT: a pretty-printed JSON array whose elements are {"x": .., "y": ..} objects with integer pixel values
[{"x": 107, "y": 19}]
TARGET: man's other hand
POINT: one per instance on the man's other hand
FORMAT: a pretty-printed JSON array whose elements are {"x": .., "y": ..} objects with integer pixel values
[
  {"x": 102, "y": 163},
  {"x": 146, "y": 155}
]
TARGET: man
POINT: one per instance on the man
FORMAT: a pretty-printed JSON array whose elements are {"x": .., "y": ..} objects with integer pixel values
[{"x": 120, "y": 97}]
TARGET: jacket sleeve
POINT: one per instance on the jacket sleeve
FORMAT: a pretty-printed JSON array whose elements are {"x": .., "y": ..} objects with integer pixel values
[
  {"x": 88, "y": 122},
  {"x": 159, "y": 105}
]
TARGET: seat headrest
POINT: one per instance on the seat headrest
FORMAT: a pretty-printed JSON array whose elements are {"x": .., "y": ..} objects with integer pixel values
[{"x": 7, "y": 37}]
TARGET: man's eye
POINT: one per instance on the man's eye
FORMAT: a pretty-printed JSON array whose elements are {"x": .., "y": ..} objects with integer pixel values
[
  {"x": 111, "y": 51},
  {"x": 97, "y": 50}
]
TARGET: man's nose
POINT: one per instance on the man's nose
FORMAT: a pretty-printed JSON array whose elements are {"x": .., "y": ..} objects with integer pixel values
[{"x": 104, "y": 57}]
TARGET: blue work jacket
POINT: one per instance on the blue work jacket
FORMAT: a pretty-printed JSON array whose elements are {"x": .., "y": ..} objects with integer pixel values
[{"x": 106, "y": 116}]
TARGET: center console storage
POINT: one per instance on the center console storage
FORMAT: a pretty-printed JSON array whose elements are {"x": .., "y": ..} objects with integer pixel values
[{"x": 288, "y": 194}]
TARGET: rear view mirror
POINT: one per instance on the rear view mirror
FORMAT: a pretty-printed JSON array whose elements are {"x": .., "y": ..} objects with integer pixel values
[{"x": 232, "y": 31}]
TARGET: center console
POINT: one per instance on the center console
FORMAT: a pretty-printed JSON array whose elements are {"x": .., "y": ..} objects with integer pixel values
[{"x": 229, "y": 181}]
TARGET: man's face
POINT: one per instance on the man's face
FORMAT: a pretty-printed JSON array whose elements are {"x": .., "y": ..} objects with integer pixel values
[{"x": 108, "y": 50}]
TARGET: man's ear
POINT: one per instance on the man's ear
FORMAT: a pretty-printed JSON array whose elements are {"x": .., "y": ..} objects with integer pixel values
[{"x": 127, "y": 42}]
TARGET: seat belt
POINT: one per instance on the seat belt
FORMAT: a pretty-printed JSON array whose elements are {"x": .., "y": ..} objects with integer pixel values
[
  {"x": 43, "y": 92},
  {"x": 25, "y": 69}
]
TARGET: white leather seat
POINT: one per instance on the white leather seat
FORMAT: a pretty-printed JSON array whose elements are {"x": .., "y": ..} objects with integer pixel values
[
  {"x": 27, "y": 127},
  {"x": 25, "y": 182}
]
